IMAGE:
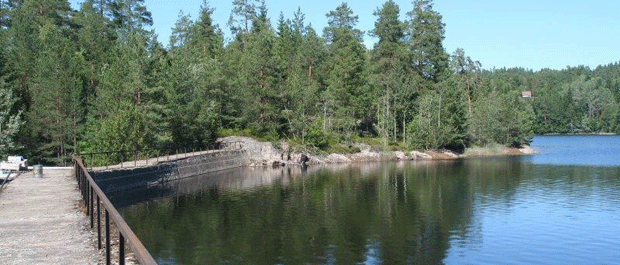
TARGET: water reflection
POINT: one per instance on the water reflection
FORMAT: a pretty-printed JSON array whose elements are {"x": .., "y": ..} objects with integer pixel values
[{"x": 396, "y": 213}]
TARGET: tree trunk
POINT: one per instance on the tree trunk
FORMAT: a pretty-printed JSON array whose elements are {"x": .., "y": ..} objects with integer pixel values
[
  {"x": 404, "y": 128},
  {"x": 469, "y": 103},
  {"x": 324, "y": 115},
  {"x": 439, "y": 113},
  {"x": 395, "y": 124}
]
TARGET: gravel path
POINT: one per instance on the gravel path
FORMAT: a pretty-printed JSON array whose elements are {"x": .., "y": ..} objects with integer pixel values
[{"x": 40, "y": 222}]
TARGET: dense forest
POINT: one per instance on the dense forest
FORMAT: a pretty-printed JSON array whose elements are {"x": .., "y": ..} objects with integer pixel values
[{"x": 95, "y": 79}]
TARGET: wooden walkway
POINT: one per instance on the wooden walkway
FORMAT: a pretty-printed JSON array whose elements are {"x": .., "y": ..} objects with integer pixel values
[{"x": 40, "y": 222}]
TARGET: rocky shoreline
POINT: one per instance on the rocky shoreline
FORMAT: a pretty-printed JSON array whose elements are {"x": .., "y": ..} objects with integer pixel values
[{"x": 261, "y": 154}]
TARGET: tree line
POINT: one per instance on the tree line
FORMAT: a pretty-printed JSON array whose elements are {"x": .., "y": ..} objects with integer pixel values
[{"x": 95, "y": 79}]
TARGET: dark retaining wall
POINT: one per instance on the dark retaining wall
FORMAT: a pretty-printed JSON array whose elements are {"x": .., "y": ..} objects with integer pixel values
[{"x": 127, "y": 179}]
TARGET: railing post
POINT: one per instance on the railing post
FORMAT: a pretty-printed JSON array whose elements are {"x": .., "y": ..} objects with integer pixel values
[
  {"x": 81, "y": 183},
  {"x": 107, "y": 237},
  {"x": 121, "y": 249},
  {"x": 87, "y": 198},
  {"x": 77, "y": 177},
  {"x": 77, "y": 173},
  {"x": 98, "y": 223},
  {"x": 92, "y": 207}
]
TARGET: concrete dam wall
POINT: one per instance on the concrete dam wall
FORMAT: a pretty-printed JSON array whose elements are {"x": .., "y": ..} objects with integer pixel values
[{"x": 137, "y": 178}]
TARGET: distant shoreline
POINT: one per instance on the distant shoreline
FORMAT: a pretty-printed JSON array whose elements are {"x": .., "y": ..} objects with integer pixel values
[
  {"x": 264, "y": 154},
  {"x": 579, "y": 134}
]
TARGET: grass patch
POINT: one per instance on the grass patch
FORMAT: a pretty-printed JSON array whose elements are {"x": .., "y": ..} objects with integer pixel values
[{"x": 488, "y": 150}]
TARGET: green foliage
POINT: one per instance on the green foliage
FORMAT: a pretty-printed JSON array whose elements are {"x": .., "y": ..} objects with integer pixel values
[
  {"x": 505, "y": 119},
  {"x": 346, "y": 98},
  {"x": 96, "y": 80},
  {"x": 9, "y": 122},
  {"x": 441, "y": 121},
  {"x": 317, "y": 136},
  {"x": 122, "y": 132},
  {"x": 10, "y": 116},
  {"x": 393, "y": 85},
  {"x": 233, "y": 132},
  {"x": 342, "y": 149},
  {"x": 426, "y": 34}
]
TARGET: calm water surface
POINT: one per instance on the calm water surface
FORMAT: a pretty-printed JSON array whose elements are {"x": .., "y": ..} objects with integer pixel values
[{"x": 559, "y": 207}]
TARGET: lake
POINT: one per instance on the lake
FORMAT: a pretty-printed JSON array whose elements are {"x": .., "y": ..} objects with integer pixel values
[{"x": 561, "y": 206}]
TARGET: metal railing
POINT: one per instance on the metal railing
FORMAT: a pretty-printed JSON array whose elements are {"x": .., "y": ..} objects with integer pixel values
[
  {"x": 123, "y": 155},
  {"x": 95, "y": 199}
]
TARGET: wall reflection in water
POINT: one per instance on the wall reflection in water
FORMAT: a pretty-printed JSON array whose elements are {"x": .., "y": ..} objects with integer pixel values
[{"x": 389, "y": 213}]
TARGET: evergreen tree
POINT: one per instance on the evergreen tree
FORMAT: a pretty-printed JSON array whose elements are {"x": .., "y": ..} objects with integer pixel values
[
  {"x": 299, "y": 51},
  {"x": 467, "y": 71},
  {"x": 390, "y": 72},
  {"x": 95, "y": 39},
  {"x": 10, "y": 119},
  {"x": 26, "y": 19},
  {"x": 135, "y": 122},
  {"x": 242, "y": 15},
  {"x": 426, "y": 34},
  {"x": 197, "y": 88},
  {"x": 441, "y": 121},
  {"x": 346, "y": 100},
  {"x": 180, "y": 31},
  {"x": 57, "y": 106},
  {"x": 206, "y": 37},
  {"x": 253, "y": 66},
  {"x": 515, "y": 117},
  {"x": 127, "y": 15},
  {"x": 47, "y": 79},
  {"x": 97, "y": 77},
  {"x": 9, "y": 122}
]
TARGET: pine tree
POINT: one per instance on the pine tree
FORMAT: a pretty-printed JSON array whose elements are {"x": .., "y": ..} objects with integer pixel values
[
  {"x": 205, "y": 35},
  {"x": 181, "y": 31},
  {"x": 9, "y": 122},
  {"x": 441, "y": 121},
  {"x": 390, "y": 72},
  {"x": 26, "y": 19},
  {"x": 135, "y": 122},
  {"x": 197, "y": 85},
  {"x": 57, "y": 107},
  {"x": 253, "y": 68},
  {"x": 300, "y": 52},
  {"x": 346, "y": 100},
  {"x": 95, "y": 39},
  {"x": 426, "y": 34},
  {"x": 48, "y": 81},
  {"x": 128, "y": 15},
  {"x": 468, "y": 73},
  {"x": 10, "y": 119}
]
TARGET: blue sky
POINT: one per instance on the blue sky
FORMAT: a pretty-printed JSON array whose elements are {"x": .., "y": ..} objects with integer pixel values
[{"x": 533, "y": 34}]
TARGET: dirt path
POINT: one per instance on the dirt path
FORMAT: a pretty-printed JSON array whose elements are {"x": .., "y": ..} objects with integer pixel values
[{"x": 40, "y": 222}]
